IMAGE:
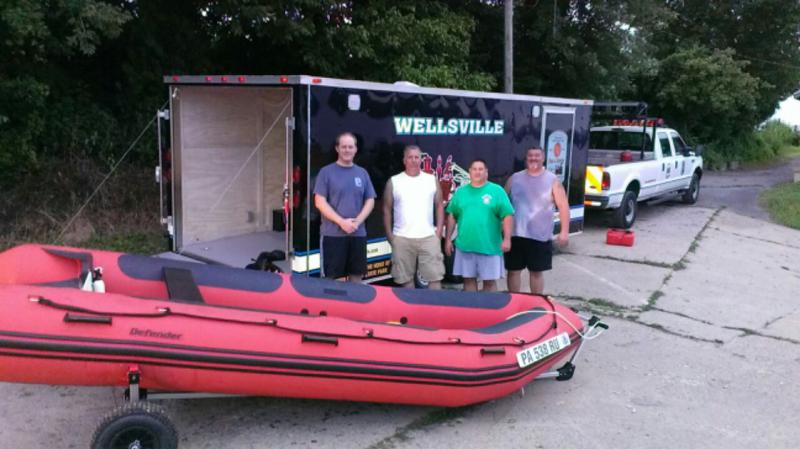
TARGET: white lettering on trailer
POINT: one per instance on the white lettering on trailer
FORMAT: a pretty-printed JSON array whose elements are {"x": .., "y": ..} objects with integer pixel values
[{"x": 439, "y": 126}]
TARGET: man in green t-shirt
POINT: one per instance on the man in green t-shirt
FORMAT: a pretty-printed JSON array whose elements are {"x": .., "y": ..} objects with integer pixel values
[{"x": 485, "y": 219}]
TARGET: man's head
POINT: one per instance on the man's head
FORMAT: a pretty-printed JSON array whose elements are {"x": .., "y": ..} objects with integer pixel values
[
  {"x": 534, "y": 158},
  {"x": 478, "y": 172},
  {"x": 412, "y": 158},
  {"x": 346, "y": 148}
]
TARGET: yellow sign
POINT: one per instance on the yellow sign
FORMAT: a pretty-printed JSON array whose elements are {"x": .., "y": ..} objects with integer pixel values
[{"x": 594, "y": 178}]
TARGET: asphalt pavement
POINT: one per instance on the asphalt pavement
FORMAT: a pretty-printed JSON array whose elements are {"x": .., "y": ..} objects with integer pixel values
[{"x": 703, "y": 352}]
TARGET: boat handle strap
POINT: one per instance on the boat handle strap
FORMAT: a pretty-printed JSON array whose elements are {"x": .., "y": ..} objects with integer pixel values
[
  {"x": 308, "y": 338},
  {"x": 498, "y": 350},
  {"x": 93, "y": 319}
]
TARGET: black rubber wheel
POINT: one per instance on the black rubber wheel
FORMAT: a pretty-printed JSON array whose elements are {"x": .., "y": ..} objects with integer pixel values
[
  {"x": 693, "y": 192},
  {"x": 136, "y": 425},
  {"x": 625, "y": 214}
]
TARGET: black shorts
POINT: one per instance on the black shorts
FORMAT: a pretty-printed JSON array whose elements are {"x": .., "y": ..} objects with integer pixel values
[
  {"x": 527, "y": 253},
  {"x": 342, "y": 256}
]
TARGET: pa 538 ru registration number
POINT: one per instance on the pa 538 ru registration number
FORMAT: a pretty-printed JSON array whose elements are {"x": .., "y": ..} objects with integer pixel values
[{"x": 531, "y": 355}]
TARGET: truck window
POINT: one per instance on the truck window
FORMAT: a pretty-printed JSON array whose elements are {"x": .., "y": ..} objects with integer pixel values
[
  {"x": 619, "y": 140},
  {"x": 666, "y": 149},
  {"x": 680, "y": 145}
]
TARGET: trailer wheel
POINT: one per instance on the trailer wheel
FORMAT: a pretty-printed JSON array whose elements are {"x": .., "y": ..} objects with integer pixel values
[
  {"x": 136, "y": 425},
  {"x": 625, "y": 215},
  {"x": 693, "y": 192}
]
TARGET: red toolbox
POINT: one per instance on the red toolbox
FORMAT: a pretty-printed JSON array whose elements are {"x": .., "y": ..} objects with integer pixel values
[{"x": 619, "y": 237}]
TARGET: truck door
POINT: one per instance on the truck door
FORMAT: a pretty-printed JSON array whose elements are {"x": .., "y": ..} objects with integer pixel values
[
  {"x": 666, "y": 163},
  {"x": 558, "y": 130},
  {"x": 682, "y": 174}
]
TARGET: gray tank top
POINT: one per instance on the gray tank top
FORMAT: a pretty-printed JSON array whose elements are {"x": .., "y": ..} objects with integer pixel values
[{"x": 532, "y": 197}]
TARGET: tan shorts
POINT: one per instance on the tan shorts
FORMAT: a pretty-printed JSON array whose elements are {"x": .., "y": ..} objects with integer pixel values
[{"x": 410, "y": 255}]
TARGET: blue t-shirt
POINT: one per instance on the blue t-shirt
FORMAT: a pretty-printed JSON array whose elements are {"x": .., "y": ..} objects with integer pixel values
[{"x": 346, "y": 189}]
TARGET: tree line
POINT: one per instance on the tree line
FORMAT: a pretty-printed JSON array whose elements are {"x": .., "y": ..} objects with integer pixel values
[{"x": 79, "y": 78}]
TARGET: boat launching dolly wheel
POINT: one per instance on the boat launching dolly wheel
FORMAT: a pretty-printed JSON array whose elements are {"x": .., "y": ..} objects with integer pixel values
[{"x": 138, "y": 424}]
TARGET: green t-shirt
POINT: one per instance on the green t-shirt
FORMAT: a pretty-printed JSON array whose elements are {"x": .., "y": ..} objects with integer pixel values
[{"x": 479, "y": 212}]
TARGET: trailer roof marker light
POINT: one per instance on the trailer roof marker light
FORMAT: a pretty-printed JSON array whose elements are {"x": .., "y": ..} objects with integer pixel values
[
  {"x": 175, "y": 78},
  {"x": 242, "y": 79},
  {"x": 208, "y": 79},
  {"x": 224, "y": 79},
  {"x": 316, "y": 80},
  {"x": 284, "y": 79},
  {"x": 354, "y": 102}
]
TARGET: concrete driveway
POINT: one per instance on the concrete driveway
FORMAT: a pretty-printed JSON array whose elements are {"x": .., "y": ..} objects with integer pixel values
[{"x": 703, "y": 352}]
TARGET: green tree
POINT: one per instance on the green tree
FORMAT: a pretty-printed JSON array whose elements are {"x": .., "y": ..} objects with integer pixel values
[
  {"x": 419, "y": 41},
  {"x": 38, "y": 43},
  {"x": 708, "y": 94}
]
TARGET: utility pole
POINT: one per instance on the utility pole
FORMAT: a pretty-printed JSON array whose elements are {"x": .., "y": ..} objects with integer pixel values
[{"x": 508, "y": 6}]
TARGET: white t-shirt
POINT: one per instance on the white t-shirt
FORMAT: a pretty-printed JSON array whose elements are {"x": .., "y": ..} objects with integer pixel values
[{"x": 413, "y": 205}]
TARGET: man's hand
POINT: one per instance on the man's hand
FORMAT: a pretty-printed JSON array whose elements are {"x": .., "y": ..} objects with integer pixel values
[
  {"x": 438, "y": 233},
  {"x": 448, "y": 247},
  {"x": 348, "y": 225},
  {"x": 562, "y": 239},
  {"x": 390, "y": 238},
  {"x": 506, "y": 245}
]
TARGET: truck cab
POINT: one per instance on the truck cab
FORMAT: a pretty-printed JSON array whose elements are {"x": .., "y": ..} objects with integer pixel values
[{"x": 639, "y": 160}]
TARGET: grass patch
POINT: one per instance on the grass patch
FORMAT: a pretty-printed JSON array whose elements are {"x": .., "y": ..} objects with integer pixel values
[
  {"x": 790, "y": 151},
  {"x": 783, "y": 204},
  {"x": 137, "y": 242}
]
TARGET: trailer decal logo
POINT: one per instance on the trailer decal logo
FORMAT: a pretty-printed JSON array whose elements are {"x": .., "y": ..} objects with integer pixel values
[{"x": 438, "y": 126}]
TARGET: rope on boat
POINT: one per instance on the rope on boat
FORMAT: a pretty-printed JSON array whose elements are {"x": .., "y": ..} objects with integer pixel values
[
  {"x": 594, "y": 331},
  {"x": 108, "y": 175},
  {"x": 368, "y": 333}
]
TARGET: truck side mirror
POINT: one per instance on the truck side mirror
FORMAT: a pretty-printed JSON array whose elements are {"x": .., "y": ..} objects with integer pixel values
[{"x": 696, "y": 151}]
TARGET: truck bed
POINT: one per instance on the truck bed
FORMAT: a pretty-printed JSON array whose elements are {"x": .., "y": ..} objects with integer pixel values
[{"x": 612, "y": 157}]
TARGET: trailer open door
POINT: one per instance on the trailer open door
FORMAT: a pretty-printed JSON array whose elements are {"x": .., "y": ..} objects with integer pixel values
[{"x": 232, "y": 154}]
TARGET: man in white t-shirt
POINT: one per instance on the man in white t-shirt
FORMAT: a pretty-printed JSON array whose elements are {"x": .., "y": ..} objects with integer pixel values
[{"x": 409, "y": 202}]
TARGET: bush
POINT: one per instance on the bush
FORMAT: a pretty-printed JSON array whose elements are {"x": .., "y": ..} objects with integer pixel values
[
  {"x": 776, "y": 135},
  {"x": 759, "y": 146}
]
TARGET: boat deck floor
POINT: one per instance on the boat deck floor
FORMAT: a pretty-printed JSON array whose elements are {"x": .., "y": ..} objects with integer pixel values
[{"x": 236, "y": 251}]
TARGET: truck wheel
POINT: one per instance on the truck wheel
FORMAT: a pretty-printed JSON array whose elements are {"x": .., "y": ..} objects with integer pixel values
[
  {"x": 693, "y": 192},
  {"x": 625, "y": 215},
  {"x": 136, "y": 425}
]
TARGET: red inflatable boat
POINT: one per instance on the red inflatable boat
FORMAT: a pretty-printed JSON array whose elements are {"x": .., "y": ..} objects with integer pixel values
[{"x": 180, "y": 326}]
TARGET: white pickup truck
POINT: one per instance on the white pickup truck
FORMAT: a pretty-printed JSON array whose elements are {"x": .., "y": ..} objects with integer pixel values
[{"x": 628, "y": 164}]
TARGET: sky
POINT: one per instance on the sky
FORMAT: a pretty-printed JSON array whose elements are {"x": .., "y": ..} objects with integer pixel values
[{"x": 788, "y": 112}]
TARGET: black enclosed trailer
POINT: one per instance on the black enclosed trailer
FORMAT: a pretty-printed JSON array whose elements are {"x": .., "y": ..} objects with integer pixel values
[{"x": 240, "y": 158}]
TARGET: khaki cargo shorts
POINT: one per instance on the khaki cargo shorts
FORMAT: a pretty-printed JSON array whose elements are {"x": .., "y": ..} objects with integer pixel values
[{"x": 410, "y": 255}]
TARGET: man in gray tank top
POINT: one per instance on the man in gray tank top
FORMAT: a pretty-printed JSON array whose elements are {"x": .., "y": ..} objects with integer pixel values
[{"x": 533, "y": 193}]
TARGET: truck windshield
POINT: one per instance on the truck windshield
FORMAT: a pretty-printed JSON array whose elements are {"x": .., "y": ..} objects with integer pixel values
[{"x": 619, "y": 140}]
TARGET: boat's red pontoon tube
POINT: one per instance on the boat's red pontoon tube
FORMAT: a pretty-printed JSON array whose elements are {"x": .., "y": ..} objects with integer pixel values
[{"x": 180, "y": 326}]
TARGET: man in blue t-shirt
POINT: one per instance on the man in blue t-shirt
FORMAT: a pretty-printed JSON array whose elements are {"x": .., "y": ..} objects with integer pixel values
[{"x": 345, "y": 197}]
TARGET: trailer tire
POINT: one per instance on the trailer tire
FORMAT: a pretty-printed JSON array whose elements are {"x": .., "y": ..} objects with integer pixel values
[
  {"x": 625, "y": 214},
  {"x": 693, "y": 192},
  {"x": 136, "y": 425}
]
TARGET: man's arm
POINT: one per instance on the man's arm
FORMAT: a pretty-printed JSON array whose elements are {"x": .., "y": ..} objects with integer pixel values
[
  {"x": 388, "y": 208},
  {"x": 369, "y": 204},
  {"x": 448, "y": 240},
  {"x": 560, "y": 198},
  {"x": 438, "y": 203},
  {"x": 327, "y": 211},
  {"x": 508, "y": 226}
]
